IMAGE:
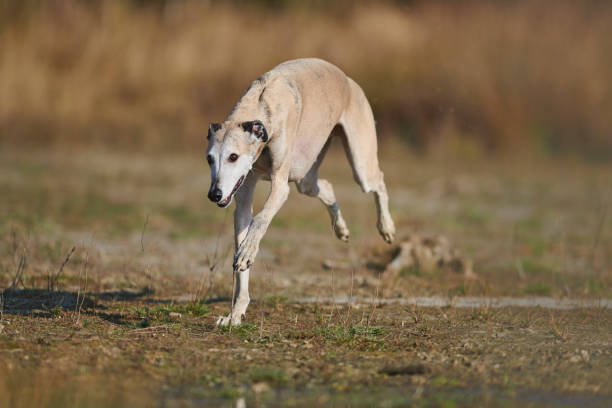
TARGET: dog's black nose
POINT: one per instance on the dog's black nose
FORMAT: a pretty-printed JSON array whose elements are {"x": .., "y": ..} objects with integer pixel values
[{"x": 215, "y": 195}]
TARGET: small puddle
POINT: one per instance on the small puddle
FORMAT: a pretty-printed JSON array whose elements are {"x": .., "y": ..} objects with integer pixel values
[{"x": 471, "y": 302}]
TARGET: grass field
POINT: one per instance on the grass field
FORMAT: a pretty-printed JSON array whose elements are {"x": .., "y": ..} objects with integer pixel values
[{"x": 127, "y": 317}]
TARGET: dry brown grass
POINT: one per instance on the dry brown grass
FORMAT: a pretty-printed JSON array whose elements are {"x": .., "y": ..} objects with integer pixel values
[{"x": 501, "y": 74}]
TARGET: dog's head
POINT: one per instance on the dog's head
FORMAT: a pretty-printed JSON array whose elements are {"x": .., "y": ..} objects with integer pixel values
[{"x": 232, "y": 150}]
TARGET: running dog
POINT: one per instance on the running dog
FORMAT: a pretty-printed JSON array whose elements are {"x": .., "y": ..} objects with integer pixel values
[{"x": 280, "y": 131}]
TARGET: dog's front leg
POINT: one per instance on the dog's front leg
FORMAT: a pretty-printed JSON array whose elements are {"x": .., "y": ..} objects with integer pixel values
[
  {"x": 279, "y": 191},
  {"x": 243, "y": 214}
]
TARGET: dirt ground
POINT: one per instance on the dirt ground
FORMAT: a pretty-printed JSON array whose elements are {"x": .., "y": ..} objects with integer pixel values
[{"x": 127, "y": 317}]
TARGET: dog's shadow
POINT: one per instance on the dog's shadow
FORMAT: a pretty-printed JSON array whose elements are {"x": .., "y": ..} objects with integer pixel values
[
  {"x": 49, "y": 303},
  {"x": 41, "y": 301}
]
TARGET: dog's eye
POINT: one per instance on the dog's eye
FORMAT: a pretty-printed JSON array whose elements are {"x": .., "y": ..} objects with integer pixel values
[
  {"x": 210, "y": 159},
  {"x": 233, "y": 157}
]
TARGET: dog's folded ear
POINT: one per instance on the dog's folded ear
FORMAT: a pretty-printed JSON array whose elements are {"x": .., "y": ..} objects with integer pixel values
[
  {"x": 213, "y": 127},
  {"x": 256, "y": 128}
]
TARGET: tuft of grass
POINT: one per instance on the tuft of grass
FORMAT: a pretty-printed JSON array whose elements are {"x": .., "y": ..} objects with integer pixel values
[
  {"x": 195, "y": 309},
  {"x": 57, "y": 311},
  {"x": 445, "y": 381},
  {"x": 229, "y": 393},
  {"x": 275, "y": 300},
  {"x": 146, "y": 322},
  {"x": 369, "y": 337},
  {"x": 245, "y": 331},
  {"x": 192, "y": 308}
]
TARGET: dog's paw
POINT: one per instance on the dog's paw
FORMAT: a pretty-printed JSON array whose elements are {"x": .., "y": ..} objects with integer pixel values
[
  {"x": 247, "y": 251},
  {"x": 389, "y": 237},
  {"x": 224, "y": 321},
  {"x": 341, "y": 230},
  {"x": 387, "y": 231}
]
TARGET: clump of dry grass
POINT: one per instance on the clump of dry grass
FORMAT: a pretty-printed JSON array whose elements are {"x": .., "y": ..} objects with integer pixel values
[{"x": 500, "y": 74}]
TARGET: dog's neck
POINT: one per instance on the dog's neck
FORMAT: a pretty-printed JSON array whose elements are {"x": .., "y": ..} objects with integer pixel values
[{"x": 252, "y": 106}]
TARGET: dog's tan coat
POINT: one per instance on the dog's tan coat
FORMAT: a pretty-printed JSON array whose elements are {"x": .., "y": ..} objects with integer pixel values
[{"x": 299, "y": 103}]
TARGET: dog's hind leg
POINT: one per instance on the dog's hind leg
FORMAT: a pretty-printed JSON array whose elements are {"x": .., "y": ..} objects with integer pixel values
[
  {"x": 361, "y": 149},
  {"x": 311, "y": 185},
  {"x": 243, "y": 214},
  {"x": 322, "y": 189}
]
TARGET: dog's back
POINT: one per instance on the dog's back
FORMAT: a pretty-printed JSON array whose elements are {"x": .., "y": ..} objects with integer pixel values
[{"x": 319, "y": 91}]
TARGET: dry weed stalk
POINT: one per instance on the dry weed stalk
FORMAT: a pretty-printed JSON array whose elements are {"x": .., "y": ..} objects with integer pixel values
[
  {"x": 80, "y": 299},
  {"x": 600, "y": 224},
  {"x": 560, "y": 334},
  {"x": 261, "y": 329},
  {"x": 18, "y": 278},
  {"x": 333, "y": 294},
  {"x": 52, "y": 280},
  {"x": 374, "y": 305},
  {"x": 1, "y": 304},
  {"x": 142, "y": 233},
  {"x": 349, "y": 306}
]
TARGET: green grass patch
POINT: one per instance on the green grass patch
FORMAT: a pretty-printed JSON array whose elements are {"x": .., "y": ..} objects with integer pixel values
[
  {"x": 275, "y": 300},
  {"x": 190, "y": 222},
  {"x": 412, "y": 270},
  {"x": 595, "y": 287},
  {"x": 367, "y": 337},
  {"x": 245, "y": 330},
  {"x": 302, "y": 222},
  {"x": 530, "y": 224},
  {"x": 163, "y": 311},
  {"x": 56, "y": 311},
  {"x": 445, "y": 381},
  {"x": 533, "y": 267},
  {"x": 538, "y": 288},
  {"x": 538, "y": 247},
  {"x": 272, "y": 376},
  {"x": 473, "y": 216}
]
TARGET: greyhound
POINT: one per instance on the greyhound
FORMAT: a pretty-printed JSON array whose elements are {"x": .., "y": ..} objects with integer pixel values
[{"x": 280, "y": 131}]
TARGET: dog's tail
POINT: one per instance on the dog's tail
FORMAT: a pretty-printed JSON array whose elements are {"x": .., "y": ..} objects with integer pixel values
[{"x": 359, "y": 139}]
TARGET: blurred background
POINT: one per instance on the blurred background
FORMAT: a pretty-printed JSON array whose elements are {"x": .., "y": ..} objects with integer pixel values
[{"x": 473, "y": 76}]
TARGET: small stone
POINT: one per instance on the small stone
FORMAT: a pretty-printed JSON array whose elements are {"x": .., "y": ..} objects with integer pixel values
[
  {"x": 260, "y": 387},
  {"x": 585, "y": 355}
]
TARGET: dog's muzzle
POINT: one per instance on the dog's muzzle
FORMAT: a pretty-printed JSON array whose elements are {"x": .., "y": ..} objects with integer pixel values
[
  {"x": 228, "y": 199},
  {"x": 215, "y": 194}
]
